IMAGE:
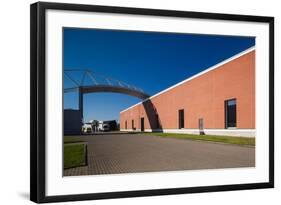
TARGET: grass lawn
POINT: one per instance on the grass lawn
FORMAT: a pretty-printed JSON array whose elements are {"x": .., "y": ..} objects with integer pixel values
[
  {"x": 250, "y": 141},
  {"x": 74, "y": 155}
]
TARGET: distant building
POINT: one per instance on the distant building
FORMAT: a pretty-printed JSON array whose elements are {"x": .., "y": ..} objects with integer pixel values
[
  {"x": 217, "y": 101},
  {"x": 72, "y": 122},
  {"x": 112, "y": 124}
]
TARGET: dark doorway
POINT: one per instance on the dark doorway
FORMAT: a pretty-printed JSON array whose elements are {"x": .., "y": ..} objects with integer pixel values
[
  {"x": 133, "y": 126},
  {"x": 201, "y": 126},
  {"x": 230, "y": 113},
  {"x": 181, "y": 119},
  {"x": 142, "y": 124},
  {"x": 157, "y": 121}
]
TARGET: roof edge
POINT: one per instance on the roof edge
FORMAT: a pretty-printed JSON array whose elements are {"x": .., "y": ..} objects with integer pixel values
[{"x": 248, "y": 50}]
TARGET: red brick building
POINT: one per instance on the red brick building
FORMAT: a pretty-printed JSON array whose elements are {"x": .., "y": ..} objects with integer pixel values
[{"x": 219, "y": 100}]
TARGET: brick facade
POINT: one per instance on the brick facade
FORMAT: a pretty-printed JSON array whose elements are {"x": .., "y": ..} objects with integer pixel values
[{"x": 201, "y": 97}]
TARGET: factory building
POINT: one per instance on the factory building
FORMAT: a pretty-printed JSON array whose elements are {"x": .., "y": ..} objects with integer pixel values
[{"x": 219, "y": 101}]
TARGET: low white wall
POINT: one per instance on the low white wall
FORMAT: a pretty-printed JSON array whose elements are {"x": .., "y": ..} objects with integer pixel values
[{"x": 226, "y": 132}]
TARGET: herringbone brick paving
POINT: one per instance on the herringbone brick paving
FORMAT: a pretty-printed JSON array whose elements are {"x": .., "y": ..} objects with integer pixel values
[{"x": 131, "y": 153}]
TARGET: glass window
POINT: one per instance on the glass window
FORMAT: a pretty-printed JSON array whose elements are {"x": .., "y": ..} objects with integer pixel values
[{"x": 230, "y": 113}]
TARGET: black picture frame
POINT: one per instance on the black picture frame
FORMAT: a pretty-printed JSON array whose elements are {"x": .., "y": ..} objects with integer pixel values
[{"x": 38, "y": 103}]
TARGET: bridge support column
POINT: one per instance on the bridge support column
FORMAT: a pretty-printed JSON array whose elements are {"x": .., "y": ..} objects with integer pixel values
[{"x": 80, "y": 95}]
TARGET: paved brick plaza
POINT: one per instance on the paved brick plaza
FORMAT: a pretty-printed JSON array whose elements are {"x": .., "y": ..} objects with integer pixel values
[{"x": 131, "y": 153}]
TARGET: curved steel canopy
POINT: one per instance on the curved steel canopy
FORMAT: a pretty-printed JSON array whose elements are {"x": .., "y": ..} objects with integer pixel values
[
  {"x": 109, "y": 88},
  {"x": 100, "y": 83}
]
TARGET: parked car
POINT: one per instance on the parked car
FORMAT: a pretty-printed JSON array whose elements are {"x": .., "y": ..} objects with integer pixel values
[{"x": 87, "y": 128}]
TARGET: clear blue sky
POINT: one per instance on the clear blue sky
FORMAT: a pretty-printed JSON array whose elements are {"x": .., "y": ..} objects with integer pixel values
[{"x": 152, "y": 61}]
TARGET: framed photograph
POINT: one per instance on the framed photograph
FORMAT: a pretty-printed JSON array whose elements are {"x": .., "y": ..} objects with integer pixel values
[{"x": 129, "y": 102}]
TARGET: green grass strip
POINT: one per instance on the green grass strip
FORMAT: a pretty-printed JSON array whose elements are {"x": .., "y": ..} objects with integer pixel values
[
  {"x": 250, "y": 141},
  {"x": 74, "y": 155}
]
